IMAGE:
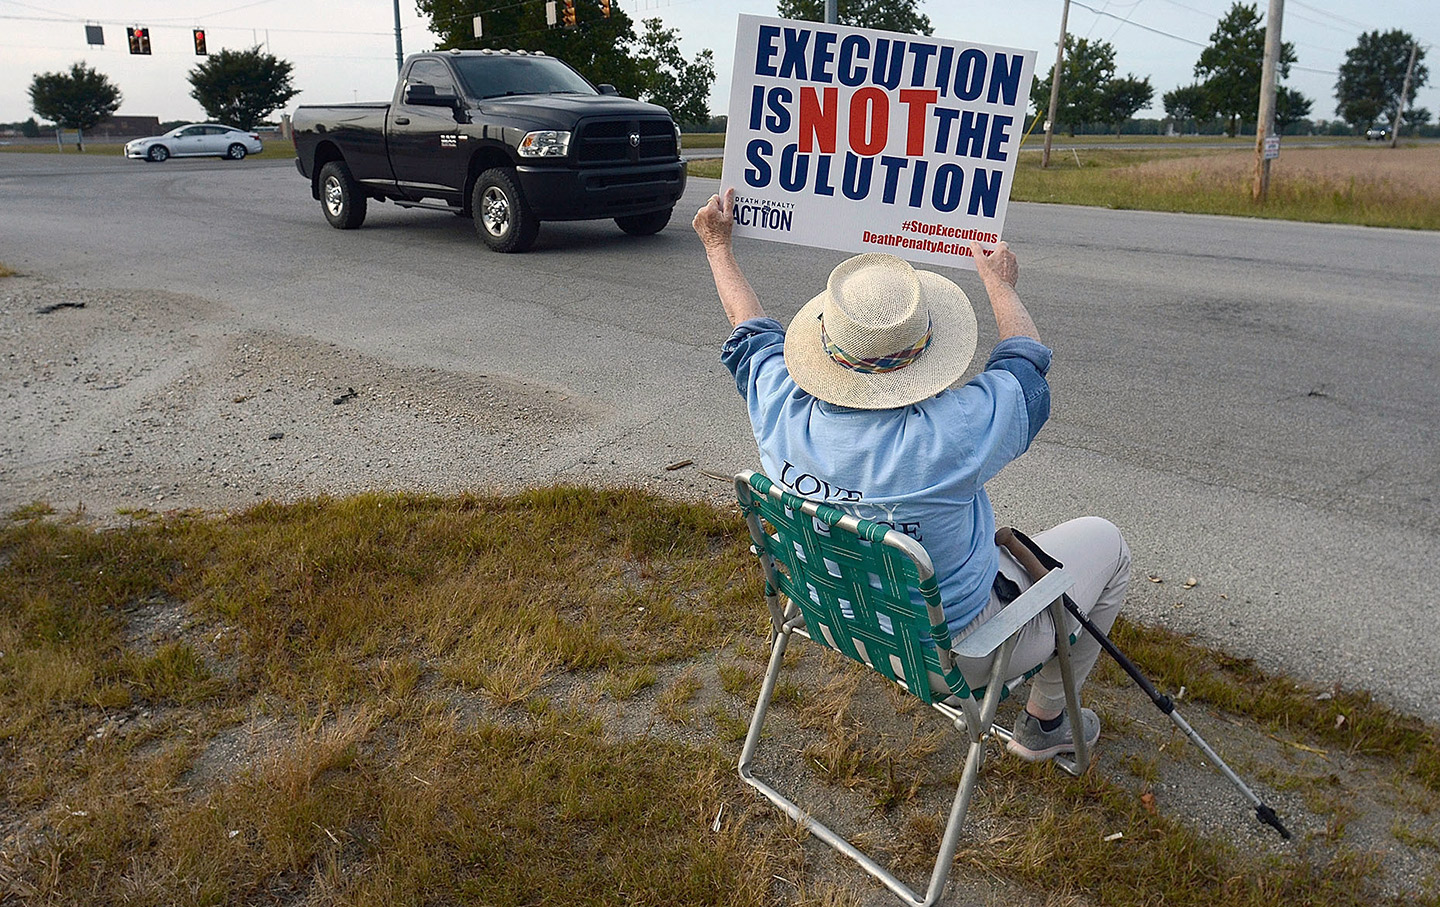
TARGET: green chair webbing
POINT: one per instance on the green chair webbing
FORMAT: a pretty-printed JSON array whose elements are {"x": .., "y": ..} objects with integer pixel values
[{"x": 827, "y": 572}]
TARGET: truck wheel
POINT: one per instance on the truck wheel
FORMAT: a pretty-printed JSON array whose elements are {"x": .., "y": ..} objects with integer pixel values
[
  {"x": 502, "y": 219},
  {"x": 645, "y": 224},
  {"x": 340, "y": 197}
]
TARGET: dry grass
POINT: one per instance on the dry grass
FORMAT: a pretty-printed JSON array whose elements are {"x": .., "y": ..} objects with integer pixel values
[
  {"x": 274, "y": 148},
  {"x": 1371, "y": 186},
  {"x": 6, "y": 271},
  {"x": 401, "y": 699}
]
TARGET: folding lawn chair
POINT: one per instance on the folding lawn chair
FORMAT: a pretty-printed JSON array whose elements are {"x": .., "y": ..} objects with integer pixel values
[{"x": 870, "y": 593}]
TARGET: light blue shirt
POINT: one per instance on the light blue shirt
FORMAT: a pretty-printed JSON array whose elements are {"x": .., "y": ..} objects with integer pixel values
[{"x": 920, "y": 468}]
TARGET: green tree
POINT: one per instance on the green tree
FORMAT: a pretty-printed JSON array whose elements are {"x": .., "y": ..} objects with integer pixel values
[
  {"x": 1373, "y": 74},
  {"x": 1231, "y": 65},
  {"x": 1290, "y": 107},
  {"x": 75, "y": 100},
  {"x": 889, "y": 15},
  {"x": 1121, "y": 98},
  {"x": 668, "y": 80},
  {"x": 1188, "y": 106},
  {"x": 242, "y": 87},
  {"x": 598, "y": 47},
  {"x": 30, "y": 129},
  {"x": 1089, "y": 67}
]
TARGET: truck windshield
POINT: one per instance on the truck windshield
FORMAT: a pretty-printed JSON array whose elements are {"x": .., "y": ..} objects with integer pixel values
[{"x": 496, "y": 76}]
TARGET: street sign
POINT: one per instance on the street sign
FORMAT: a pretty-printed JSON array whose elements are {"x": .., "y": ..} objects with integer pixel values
[{"x": 1272, "y": 147}]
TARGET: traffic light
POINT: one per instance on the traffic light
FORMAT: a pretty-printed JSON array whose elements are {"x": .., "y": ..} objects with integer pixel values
[
  {"x": 139, "y": 40},
  {"x": 200, "y": 42},
  {"x": 568, "y": 14},
  {"x": 605, "y": 8}
]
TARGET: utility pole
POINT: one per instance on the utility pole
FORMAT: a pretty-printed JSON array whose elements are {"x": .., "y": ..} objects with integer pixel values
[
  {"x": 1404, "y": 95},
  {"x": 832, "y": 12},
  {"x": 1265, "y": 123},
  {"x": 1055, "y": 88},
  {"x": 399, "y": 48}
]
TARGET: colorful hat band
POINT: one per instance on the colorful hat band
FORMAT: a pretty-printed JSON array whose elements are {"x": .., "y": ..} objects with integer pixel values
[{"x": 878, "y": 365}]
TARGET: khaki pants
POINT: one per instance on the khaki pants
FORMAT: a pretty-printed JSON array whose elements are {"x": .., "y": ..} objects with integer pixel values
[{"x": 1098, "y": 559}]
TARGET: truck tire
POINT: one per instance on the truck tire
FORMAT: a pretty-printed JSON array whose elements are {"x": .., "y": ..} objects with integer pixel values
[
  {"x": 503, "y": 220},
  {"x": 340, "y": 197},
  {"x": 645, "y": 224}
]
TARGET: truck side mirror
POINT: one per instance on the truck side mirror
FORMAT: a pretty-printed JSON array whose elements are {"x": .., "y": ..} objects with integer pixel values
[
  {"x": 607, "y": 88},
  {"x": 427, "y": 96}
]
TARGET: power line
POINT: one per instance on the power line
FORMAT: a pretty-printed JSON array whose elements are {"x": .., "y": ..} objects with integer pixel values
[
  {"x": 223, "y": 12},
  {"x": 1137, "y": 24}
]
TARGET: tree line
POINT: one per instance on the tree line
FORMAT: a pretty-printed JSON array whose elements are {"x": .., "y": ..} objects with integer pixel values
[
  {"x": 237, "y": 87},
  {"x": 602, "y": 48},
  {"x": 1227, "y": 86},
  {"x": 243, "y": 87}
]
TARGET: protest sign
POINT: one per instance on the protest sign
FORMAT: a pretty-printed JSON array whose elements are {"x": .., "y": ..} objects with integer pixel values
[{"x": 871, "y": 141}]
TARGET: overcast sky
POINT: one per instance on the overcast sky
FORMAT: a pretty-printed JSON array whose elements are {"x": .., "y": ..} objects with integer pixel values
[{"x": 344, "y": 51}]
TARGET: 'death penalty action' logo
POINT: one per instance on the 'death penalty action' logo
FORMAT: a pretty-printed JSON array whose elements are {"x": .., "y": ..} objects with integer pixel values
[
  {"x": 851, "y": 138},
  {"x": 764, "y": 214}
]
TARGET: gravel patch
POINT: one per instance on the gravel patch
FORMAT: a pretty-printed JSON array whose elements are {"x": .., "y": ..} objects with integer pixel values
[{"x": 123, "y": 400}]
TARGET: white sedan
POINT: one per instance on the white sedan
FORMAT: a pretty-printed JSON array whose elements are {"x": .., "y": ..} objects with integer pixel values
[{"x": 196, "y": 140}]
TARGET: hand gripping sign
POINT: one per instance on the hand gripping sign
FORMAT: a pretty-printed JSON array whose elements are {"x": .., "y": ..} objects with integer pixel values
[{"x": 871, "y": 141}]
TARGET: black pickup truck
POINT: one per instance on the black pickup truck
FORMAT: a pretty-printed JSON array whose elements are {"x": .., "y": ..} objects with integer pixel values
[{"x": 508, "y": 138}]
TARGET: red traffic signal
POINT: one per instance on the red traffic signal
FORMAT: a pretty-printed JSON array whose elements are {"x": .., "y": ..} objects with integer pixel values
[
  {"x": 139, "y": 40},
  {"x": 568, "y": 14},
  {"x": 200, "y": 42}
]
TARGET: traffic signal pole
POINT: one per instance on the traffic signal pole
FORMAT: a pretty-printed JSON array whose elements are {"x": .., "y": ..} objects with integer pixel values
[
  {"x": 399, "y": 48},
  {"x": 832, "y": 12},
  {"x": 1265, "y": 122}
]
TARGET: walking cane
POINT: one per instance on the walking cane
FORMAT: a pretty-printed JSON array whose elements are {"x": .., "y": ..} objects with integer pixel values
[{"x": 1037, "y": 563}]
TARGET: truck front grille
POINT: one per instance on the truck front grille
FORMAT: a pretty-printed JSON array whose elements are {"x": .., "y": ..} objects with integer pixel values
[{"x": 625, "y": 141}]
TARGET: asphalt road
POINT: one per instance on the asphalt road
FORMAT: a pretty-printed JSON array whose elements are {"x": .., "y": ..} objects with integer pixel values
[{"x": 1253, "y": 402}]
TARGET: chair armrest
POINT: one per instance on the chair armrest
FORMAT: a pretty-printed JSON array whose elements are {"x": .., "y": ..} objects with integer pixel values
[{"x": 1015, "y": 615}]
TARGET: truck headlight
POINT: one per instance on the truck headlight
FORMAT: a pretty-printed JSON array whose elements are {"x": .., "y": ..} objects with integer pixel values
[
  {"x": 545, "y": 143},
  {"x": 677, "y": 139}
]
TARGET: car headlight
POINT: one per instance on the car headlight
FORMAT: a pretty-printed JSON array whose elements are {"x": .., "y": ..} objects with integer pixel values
[{"x": 545, "y": 143}]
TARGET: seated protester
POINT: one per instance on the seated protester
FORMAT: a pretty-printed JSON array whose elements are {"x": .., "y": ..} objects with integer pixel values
[{"x": 858, "y": 403}]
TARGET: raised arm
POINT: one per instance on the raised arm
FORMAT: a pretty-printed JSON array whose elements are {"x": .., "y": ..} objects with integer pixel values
[
  {"x": 712, "y": 223},
  {"x": 999, "y": 270}
]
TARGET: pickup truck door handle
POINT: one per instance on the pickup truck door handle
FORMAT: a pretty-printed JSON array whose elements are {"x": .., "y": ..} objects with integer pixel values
[{"x": 402, "y": 121}]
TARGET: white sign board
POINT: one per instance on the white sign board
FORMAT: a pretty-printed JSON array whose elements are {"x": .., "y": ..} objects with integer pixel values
[
  {"x": 1272, "y": 147},
  {"x": 871, "y": 141}
]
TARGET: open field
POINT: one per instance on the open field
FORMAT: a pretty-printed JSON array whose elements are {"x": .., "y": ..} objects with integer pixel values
[
  {"x": 1373, "y": 186},
  {"x": 274, "y": 147},
  {"x": 1353, "y": 183},
  {"x": 539, "y": 699}
]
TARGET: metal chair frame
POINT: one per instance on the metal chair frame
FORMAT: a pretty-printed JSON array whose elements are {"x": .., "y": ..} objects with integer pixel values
[{"x": 906, "y": 566}]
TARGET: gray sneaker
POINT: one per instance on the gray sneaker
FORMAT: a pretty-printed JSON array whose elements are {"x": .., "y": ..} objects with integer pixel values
[{"x": 1034, "y": 745}]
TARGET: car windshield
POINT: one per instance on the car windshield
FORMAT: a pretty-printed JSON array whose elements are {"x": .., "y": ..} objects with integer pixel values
[{"x": 494, "y": 76}]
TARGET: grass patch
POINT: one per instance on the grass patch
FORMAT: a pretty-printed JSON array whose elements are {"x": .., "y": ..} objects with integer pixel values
[
  {"x": 702, "y": 140},
  {"x": 1238, "y": 686},
  {"x": 274, "y": 149},
  {"x": 6, "y": 271},
  {"x": 395, "y": 699},
  {"x": 1349, "y": 184},
  {"x": 1373, "y": 187}
]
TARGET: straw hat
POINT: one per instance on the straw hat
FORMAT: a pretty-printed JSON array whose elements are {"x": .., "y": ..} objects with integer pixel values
[{"x": 882, "y": 335}]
